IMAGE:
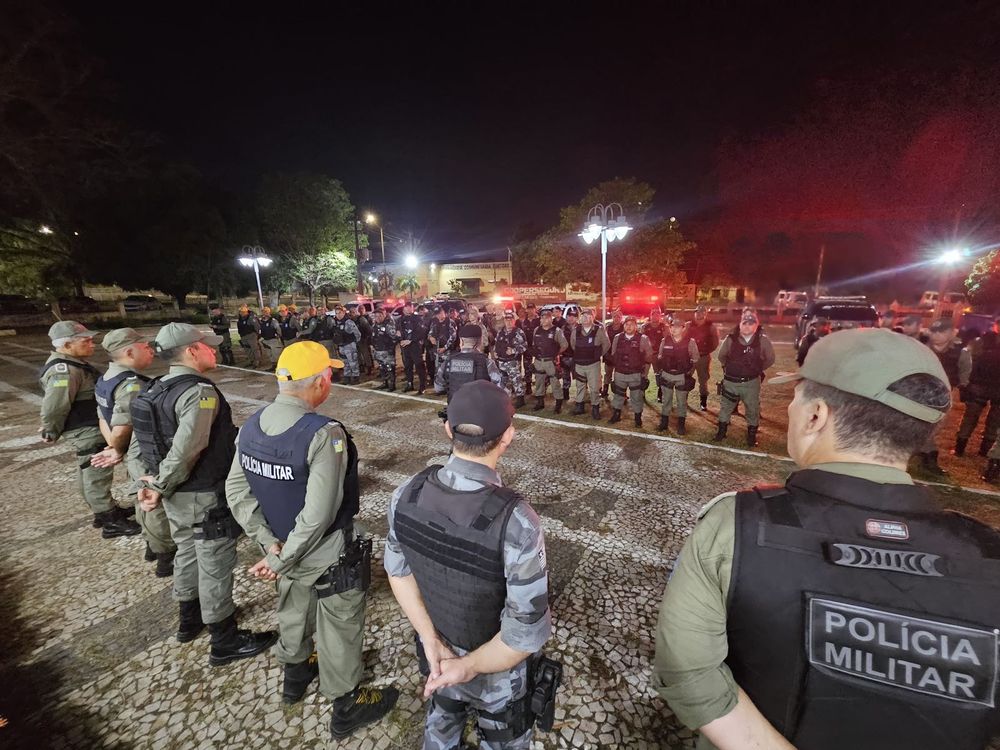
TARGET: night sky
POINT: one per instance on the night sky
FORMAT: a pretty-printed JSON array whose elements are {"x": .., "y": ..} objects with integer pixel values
[{"x": 462, "y": 127}]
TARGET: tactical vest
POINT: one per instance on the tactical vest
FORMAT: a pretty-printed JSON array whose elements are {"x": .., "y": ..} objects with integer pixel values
[
  {"x": 528, "y": 325},
  {"x": 986, "y": 364},
  {"x": 702, "y": 335},
  {"x": 288, "y": 331},
  {"x": 154, "y": 423},
  {"x": 454, "y": 545},
  {"x": 655, "y": 332},
  {"x": 744, "y": 360},
  {"x": 277, "y": 470},
  {"x": 586, "y": 350},
  {"x": 382, "y": 337},
  {"x": 441, "y": 331},
  {"x": 675, "y": 356},
  {"x": 81, "y": 412},
  {"x": 628, "y": 355},
  {"x": 465, "y": 367},
  {"x": 339, "y": 332},
  {"x": 245, "y": 326},
  {"x": 412, "y": 327},
  {"x": 866, "y": 624},
  {"x": 104, "y": 392},
  {"x": 949, "y": 361},
  {"x": 220, "y": 324},
  {"x": 545, "y": 344},
  {"x": 267, "y": 331},
  {"x": 505, "y": 339}
]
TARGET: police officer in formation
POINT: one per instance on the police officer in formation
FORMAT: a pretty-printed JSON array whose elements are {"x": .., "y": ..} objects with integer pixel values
[
  {"x": 365, "y": 361},
  {"x": 430, "y": 351},
  {"x": 631, "y": 355},
  {"x": 979, "y": 386},
  {"x": 309, "y": 323},
  {"x": 745, "y": 355},
  {"x": 288, "y": 323},
  {"x": 293, "y": 486},
  {"x": 615, "y": 327},
  {"x": 844, "y": 609},
  {"x": 655, "y": 329},
  {"x": 69, "y": 411},
  {"x": 466, "y": 365},
  {"x": 509, "y": 347},
  {"x": 346, "y": 337},
  {"x": 442, "y": 335},
  {"x": 549, "y": 343},
  {"x": 705, "y": 335},
  {"x": 114, "y": 391},
  {"x": 590, "y": 344},
  {"x": 567, "y": 358},
  {"x": 675, "y": 361},
  {"x": 219, "y": 322},
  {"x": 486, "y": 333},
  {"x": 385, "y": 337},
  {"x": 270, "y": 337},
  {"x": 248, "y": 328},
  {"x": 820, "y": 328},
  {"x": 528, "y": 325},
  {"x": 186, "y": 434},
  {"x": 948, "y": 348},
  {"x": 413, "y": 335},
  {"x": 478, "y": 620}
]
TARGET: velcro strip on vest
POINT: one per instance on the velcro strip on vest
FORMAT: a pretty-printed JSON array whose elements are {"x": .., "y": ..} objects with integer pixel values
[{"x": 459, "y": 554}]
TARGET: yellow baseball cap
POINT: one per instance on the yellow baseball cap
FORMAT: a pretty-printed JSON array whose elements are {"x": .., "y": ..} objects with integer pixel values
[
  {"x": 303, "y": 359},
  {"x": 267, "y": 310}
]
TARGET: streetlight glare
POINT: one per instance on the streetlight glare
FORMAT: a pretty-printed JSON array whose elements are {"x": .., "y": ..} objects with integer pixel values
[
  {"x": 370, "y": 218},
  {"x": 45, "y": 229},
  {"x": 410, "y": 261},
  {"x": 948, "y": 257},
  {"x": 248, "y": 262}
]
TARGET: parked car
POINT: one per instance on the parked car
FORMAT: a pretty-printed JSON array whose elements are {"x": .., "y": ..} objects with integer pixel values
[
  {"x": 843, "y": 312},
  {"x": 567, "y": 307},
  {"x": 77, "y": 304},
  {"x": 141, "y": 303},
  {"x": 18, "y": 304},
  {"x": 447, "y": 304},
  {"x": 785, "y": 300}
]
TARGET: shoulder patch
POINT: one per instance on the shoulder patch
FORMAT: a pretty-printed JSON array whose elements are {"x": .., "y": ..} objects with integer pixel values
[
  {"x": 130, "y": 387},
  {"x": 61, "y": 367},
  {"x": 59, "y": 383},
  {"x": 713, "y": 502},
  {"x": 207, "y": 402}
]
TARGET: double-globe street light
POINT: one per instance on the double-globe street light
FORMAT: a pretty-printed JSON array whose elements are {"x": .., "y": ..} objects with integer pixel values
[
  {"x": 254, "y": 257},
  {"x": 609, "y": 223}
]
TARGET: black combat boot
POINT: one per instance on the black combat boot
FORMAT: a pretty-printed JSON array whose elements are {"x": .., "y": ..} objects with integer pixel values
[
  {"x": 230, "y": 644},
  {"x": 558, "y": 406},
  {"x": 359, "y": 708},
  {"x": 578, "y": 408},
  {"x": 565, "y": 394},
  {"x": 128, "y": 510},
  {"x": 984, "y": 447},
  {"x": 595, "y": 411},
  {"x": 930, "y": 459},
  {"x": 297, "y": 679},
  {"x": 960, "y": 444},
  {"x": 97, "y": 521},
  {"x": 616, "y": 416},
  {"x": 409, "y": 386},
  {"x": 149, "y": 555},
  {"x": 115, "y": 524},
  {"x": 664, "y": 425},
  {"x": 392, "y": 383},
  {"x": 992, "y": 473},
  {"x": 165, "y": 564},
  {"x": 638, "y": 419},
  {"x": 190, "y": 626},
  {"x": 720, "y": 433},
  {"x": 518, "y": 402},
  {"x": 704, "y": 402},
  {"x": 539, "y": 403},
  {"x": 384, "y": 386},
  {"x": 751, "y": 437},
  {"x": 681, "y": 429}
]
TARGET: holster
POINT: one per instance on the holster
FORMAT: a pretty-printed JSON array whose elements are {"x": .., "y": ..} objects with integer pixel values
[
  {"x": 422, "y": 664},
  {"x": 728, "y": 395},
  {"x": 536, "y": 707},
  {"x": 352, "y": 571},
  {"x": 643, "y": 383},
  {"x": 218, "y": 523},
  {"x": 545, "y": 682},
  {"x": 620, "y": 390},
  {"x": 688, "y": 382}
]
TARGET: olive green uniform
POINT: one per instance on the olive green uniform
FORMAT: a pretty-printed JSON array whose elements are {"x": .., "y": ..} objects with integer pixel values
[
  {"x": 689, "y": 670},
  {"x": 748, "y": 392},
  {"x": 64, "y": 385},
  {"x": 337, "y": 621},
  {"x": 630, "y": 382},
  {"x": 545, "y": 370},
  {"x": 588, "y": 377}
]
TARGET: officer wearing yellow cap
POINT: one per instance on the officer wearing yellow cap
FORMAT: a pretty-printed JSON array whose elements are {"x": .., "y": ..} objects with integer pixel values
[
  {"x": 270, "y": 337},
  {"x": 844, "y": 609},
  {"x": 248, "y": 328},
  {"x": 293, "y": 486}
]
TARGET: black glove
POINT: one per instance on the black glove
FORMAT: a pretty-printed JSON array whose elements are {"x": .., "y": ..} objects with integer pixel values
[{"x": 644, "y": 383}]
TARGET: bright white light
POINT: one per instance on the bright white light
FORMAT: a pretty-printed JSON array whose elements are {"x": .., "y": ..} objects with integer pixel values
[
  {"x": 621, "y": 231},
  {"x": 433, "y": 266},
  {"x": 248, "y": 262},
  {"x": 370, "y": 219},
  {"x": 410, "y": 261},
  {"x": 673, "y": 219},
  {"x": 45, "y": 229},
  {"x": 76, "y": 234},
  {"x": 595, "y": 229},
  {"x": 949, "y": 257},
  {"x": 588, "y": 237},
  {"x": 263, "y": 262}
]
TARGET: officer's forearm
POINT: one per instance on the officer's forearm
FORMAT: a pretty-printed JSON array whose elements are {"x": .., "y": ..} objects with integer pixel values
[
  {"x": 407, "y": 593},
  {"x": 745, "y": 728},
  {"x": 119, "y": 437},
  {"x": 495, "y": 656}
]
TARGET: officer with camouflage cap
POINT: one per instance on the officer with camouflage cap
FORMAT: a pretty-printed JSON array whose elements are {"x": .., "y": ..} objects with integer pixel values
[
  {"x": 346, "y": 337},
  {"x": 293, "y": 486},
  {"x": 186, "y": 435},
  {"x": 130, "y": 355},
  {"x": 479, "y": 618},
  {"x": 385, "y": 338},
  {"x": 509, "y": 346},
  {"x": 270, "y": 337},
  {"x": 467, "y": 364},
  {"x": 745, "y": 355},
  {"x": 69, "y": 410},
  {"x": 844, "y": 609},
  {"x": 590, "y": 343}
]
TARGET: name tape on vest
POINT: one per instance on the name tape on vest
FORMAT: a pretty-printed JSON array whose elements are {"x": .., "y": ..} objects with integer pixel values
[
  {"x": 892, "y": 530},
  {"x": 264, "y": 469},
  {"x": 463, "y": 365},
  {"x": 926, "y": 656}
]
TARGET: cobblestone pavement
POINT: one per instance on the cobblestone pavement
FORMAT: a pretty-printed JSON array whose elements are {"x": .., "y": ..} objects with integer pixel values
[{"x": 89, "y": 658}]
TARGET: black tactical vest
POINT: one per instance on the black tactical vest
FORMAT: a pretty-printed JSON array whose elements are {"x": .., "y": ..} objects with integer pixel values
[
  {"x": 528, "y": 325},
  {"x": 465, "y": 367},
  {"x": 986, "y": 364},
  {"x": 154, "y": 422},
  {"x": 104, "y": 392},
  {"x": 505, "y": 339},
  {"x": 82, "y": 412},
  {"x": 382, "y": 337},
  {"x": 568, "y": 331},
  {"x": 220, "y": 324},
  {"x": 744, "y": 360},
  {"x": 454, "y": 545},
  {"x": 288, "y": 331},
  {"x": 546, "y": 346},
  {"x": 586, "y": 350},
  {"x": 628, "y": 355},
  {"x": 655, "y": 332},
  {"x": 702, "y": 335},
  {"x": 277, "y": 470},
  {"x": 267, "y": 331},
  {"x": 338, "y": 331},
  {"x": 675, "y": 356},
  {"x": 245, "y": 325},
  {"x": 412, "y": 327},
  {"x": 869, "y": 624}
]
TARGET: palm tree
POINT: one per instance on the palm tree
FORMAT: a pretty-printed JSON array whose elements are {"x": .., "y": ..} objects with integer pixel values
[{"x": 408, "y": 285}]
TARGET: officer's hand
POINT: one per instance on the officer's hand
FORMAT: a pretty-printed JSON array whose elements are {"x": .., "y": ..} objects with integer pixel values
[
  {"x": 436, "y": 651},
  {"x": 404, "y": 342},
  {"x": 452, "y": 672},
  {"x": 107, "y": 457},
  {"x": 263, "y": 571}
]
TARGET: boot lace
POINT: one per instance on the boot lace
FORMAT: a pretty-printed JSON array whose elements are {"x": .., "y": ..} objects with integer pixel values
[{"x": 367, "y": 695}]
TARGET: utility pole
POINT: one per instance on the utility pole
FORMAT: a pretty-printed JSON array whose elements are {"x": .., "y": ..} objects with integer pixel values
[
  {"x": 357, "y": 256},
  {"x": 819, "y": 271}
]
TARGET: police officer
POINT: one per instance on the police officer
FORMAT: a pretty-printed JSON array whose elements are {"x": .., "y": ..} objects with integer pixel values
[
  {"x": 477, "y": 625},
  {"x": 288, "y": 323},
  {"x": 675, "y": 361},
  {"x": 309, "y": 323},
  {"x": 614, "y": 328},
  {"x": 69, "y": 410},
  {"x": 705, "y": 335},
  {"x": 248, "y": 328},
  {"x": 413, "y": 335},
  {"x": 457, "y": 318},
  {"x": 293, "y": 486},
  {"x": 346, "y": 337},
  {"x": 509, "y": 346},
  {"x": 845, "y": 609},
  {"x": 549, "y": 343},
  {"x": 745, "y": 355},
  {"x": 655, "y": 330},
  {"x": 130, "y": 354},
  {"x": 948, "y": 348},
  {"x": 365, "y": 362},
  {"x": 385, "y": 336},
  {"x": 979, "y": 386},
  {"x": 630, "y": 356},
  {"x": 566, "y": 359},
  {"x": 528, "y": 325},
  {"x": 323, "y": 332},
  {"x": 820, "y": 328},
  {"x": 589, "y": 343},
  {"x": 443, "y": 335},
  {"x": 486, "y": 335},
  {"x": 430, "y": 351},
  {"x": 466, "y": 365},
  {"x": 270, "y": 337},
  {"x": 186, "y": 435},
  {"x": 219, "y": 322},
  {"x": 911, "y": 326}
]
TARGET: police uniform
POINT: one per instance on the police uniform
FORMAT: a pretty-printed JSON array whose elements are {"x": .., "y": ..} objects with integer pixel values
[
  {"x": 567, "y": 360},
  {"x": 385, "y": 337},
  {"x": 413, "y": 329},
  {"x": 613, "y": 329},
  {"x": 220, "y": 327},
  {"x": 655, "y": 331},
  {"x": 248, "y": 328},
  {"x": 590, "y": 345},
  {"x": 630, "y": 356},
  {"x": 949, "y": 357},
  {"x": 548, "y": 344},
  {"x": 744, "y": 362},
  {"x": 289, "y": 326},
  {"x": 674, "y": 366},
  {"x": 851, "y": 610},
  {"x": 445, "y": 336},
  {"x": 979, "y": 382},
  {"x": 346, "y": 337},
  {"x": 707, "y": 338},
  {"x": 365, "y": 361},
  {"x": 466, "y": 366},
  {"x": 509, "y": 347},
  {"x": 270, "y": 338},
  {"x": 528, "y": 326}
]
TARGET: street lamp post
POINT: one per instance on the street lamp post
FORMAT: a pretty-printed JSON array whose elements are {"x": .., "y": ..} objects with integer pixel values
[
  {"x": 254, "y": 257},
  {"x": 610, "y": 224},
  {"x": 372, "y": 219}
]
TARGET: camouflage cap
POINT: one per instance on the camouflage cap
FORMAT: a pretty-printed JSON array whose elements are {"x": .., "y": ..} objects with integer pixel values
[
  {"x": 121, "y": 338},
  {"x": 69, "y": 329}
]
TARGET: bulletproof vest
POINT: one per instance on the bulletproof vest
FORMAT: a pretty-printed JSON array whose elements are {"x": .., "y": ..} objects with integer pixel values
[
  {"x": 277, "y": 470},
  {"x": 411, "y": 327},
  {"x": 655, "y": 332},
  {"x": 154, "y": 423},
  {"x": 454, "y": 545},
  {"x": 744, "y": 360},
  {"x": 675, "y": 356},
  {"x": 340, "y": 334},
  {"x": 546, "y": 346},
  {"x": 986, "y": 364},
  {"x": 267, "y": 331},
  {"x": 614, "y": 330},
  {"x": 702, "y": 335},
  {"x": 287, "y": 325},
  {"x": 864, "y": 623},
  {"x": 441, "y": 330},
  {"x": 81, "y": 412},
  {"x": 104, "y": 391},
  {"x": 219, "y": 323},
  {"x": 568, "y": 332},
  {"x": 949, "y": 361},
  {"x": 528, "y": 325},
  {"x": 628, "y": 355},
  {"x": 245, "y": 325},
  {"x": 505, "y": 338},
  {"x": 465, "y": 367},
  {"x": 323, "y": 329},
  {"x": 382, "y": 337},
  {"x": 586, "y": 350}
]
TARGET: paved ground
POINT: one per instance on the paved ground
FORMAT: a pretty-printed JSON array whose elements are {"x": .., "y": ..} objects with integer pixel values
[{"x": 89, "y": 660}]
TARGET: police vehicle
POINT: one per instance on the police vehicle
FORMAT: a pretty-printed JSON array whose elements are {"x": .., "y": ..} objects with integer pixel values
[{"x": 842, "y": 312}]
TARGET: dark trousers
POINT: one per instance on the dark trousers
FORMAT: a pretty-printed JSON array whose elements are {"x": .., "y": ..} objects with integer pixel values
[
  {"x": 430, "y": 359},
  {"x": 413, "y": 358},
  {"x": 973, "y": 410}
]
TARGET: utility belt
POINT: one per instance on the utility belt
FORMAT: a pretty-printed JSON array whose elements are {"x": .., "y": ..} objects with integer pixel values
[
  {"x": 687, "y": 385},
  {"x": 733, "y": 379},
  {"x": 544, "y": 359},
  {"x": 218, "y": 523},
  {"x": 352, "y": 572}
]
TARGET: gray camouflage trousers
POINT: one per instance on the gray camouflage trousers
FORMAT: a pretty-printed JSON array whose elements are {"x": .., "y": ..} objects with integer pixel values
[
  {"x": 513, "y": 381},
  {"x": 349, "y": 353},
  {"x": 386, "y": 364}
]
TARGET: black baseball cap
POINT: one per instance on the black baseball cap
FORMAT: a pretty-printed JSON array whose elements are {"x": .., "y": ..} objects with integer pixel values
[
  {"x": 470, "y": 332},
  {"x": 482, "y": 404}
]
